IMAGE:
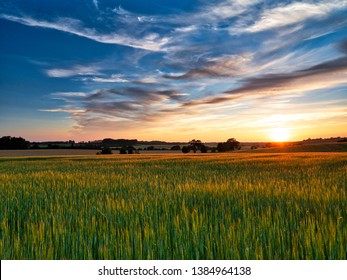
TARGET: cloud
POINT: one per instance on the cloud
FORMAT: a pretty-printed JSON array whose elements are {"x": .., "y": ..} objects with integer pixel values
[
  {"x": 69, "y": 97},
  {"x": 149, "y": 80},
  {"x": 295, "y": 13},
  {"x": 225, "y": 66},
  {"x": 96, "y": 4},
  {"x": 323, "y": 75},
  {"x": 211, "y": 101},
  {"x": 113, "y": 79},
  {"x": 275, "y": 82},
  {"x": 135, "y": 104},
  {"x": 64, "y": 110},
  {"x": 69, "y": 94},
  {"x": 228, "y": 9},
  {"x": 74, "y": 26},
  {"x": 77, "y": 70},
  {"x": 136, "y": 95}
]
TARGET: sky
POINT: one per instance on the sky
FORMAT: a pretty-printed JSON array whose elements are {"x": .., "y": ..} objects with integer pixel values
[{"x": 173, "y": 70}]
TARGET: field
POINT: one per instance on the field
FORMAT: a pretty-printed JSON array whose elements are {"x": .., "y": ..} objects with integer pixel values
[{"x": 203, "y": 206}]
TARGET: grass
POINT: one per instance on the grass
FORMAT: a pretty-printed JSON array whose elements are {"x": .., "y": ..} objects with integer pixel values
[{"x": 224, "y": 206}]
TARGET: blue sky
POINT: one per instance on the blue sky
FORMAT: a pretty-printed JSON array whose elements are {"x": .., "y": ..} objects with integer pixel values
[{"x": 173, "y": 70}]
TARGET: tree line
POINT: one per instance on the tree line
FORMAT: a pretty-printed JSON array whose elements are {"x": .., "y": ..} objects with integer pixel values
[
  {"x": 127, "y": 146},
  {"x": 13, "y": 143},
  {"x": 197, "y": 145}
]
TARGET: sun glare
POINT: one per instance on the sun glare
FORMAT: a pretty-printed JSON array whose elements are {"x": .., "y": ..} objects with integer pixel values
[{"x": 279, "y": 134}]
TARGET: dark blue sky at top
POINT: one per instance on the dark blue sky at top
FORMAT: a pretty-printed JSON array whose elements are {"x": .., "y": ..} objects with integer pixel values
[{"x": 92, "y": 64}]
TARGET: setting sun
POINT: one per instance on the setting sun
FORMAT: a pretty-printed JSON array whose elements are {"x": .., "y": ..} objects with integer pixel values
[{"x": 279, "y": 134}]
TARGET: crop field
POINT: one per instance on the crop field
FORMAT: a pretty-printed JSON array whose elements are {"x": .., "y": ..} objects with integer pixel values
[{"x": 202, "y": 206}]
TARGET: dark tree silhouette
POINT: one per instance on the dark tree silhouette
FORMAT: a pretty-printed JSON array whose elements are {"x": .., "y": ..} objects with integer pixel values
[
  {"x": 13, "y": 143},
  {"x": 131, "y": 149},
  {"x": 123, "y": 150},
  {"x": 230, "y": 145},
  {"x": 203, "y": 149},
  {"x": 195, "y": 145},
  {"x": 233, "y": 144},
  {"x": 185, "y": 149},
  {"x": 175, "y": 148},
  {"x": 106, "y": 151},
  {"x": 221, "y": 147}
]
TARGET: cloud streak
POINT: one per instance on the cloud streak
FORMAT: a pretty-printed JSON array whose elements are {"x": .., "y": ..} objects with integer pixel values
[
  {"x": 226, "y": 66},
  {"x": 294, "y": 13},
  {"x": 327, "y": 74},
  {"x": 96, "y": 4},
  {"x": 77, "y": 70},
  {"x": 73, "y": 26}
]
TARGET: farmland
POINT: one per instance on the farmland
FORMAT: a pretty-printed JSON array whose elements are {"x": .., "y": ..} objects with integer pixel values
[{"x": 174, "y": 206}]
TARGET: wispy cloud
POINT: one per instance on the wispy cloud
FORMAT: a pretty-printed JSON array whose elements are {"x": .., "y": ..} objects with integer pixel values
[
  {"x": 294, "y": 13},
  {"x": 63, "y": 110},
  {"x": 225, "y": 66},
  {"x": 318, "y": 76},
  {"x": 69, "y": 94},
  {"x": 96, "y": 4},
  {"x": 77, "y": 70},
  {"x": 152, "y": 42},
  {"x": 228, "y": 9},
  {"x": 323, "y": 75},
  {"x": 113, "y": 79}
]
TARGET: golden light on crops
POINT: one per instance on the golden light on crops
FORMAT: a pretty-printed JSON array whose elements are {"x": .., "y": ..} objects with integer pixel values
[{"x": 279, "y": 134}]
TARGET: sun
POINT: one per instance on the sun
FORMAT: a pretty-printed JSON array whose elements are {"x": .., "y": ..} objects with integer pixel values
[{"x": 279, "y": 134}]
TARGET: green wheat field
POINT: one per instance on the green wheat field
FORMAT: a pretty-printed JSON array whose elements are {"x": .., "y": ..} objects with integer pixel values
[{"x": 223, "y": 206}]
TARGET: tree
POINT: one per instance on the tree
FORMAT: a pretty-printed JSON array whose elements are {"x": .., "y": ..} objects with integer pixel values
[
  {"x": 185, "y": 149},
  {"x": 230, "y": 145},
  {"x": 203, "y": 149},
  {"x": 195, "y": 145},
  {"x": 13, "y": 143},
  {"x": 233, "y": 144},
  {"x": 131, "y": 150},
  {"x": 123, "y": 150},
  {"x": 106, "y": 151},
  {"x": 175, "y": 148},
  {"x": 221, "y": 147}
]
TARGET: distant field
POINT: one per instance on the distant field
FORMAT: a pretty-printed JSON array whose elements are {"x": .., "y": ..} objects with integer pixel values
[
  {"x": 202, "y": 206},
  {"x": 66, "y": 152},
  {"x": 46, "y": 152},
  {"x": 322, "y": 147}
]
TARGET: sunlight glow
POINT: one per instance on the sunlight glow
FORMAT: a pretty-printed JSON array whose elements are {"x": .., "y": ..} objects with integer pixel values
[{"x": 279, "y": 134}]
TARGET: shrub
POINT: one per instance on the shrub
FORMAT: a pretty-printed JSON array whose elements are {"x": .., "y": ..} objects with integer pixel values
[
  {"x": 123, "y": 151},
  {"x": 106, "y": 151},
  {"x": 203, "y": 149},
  {"x": 175, "y": 148}
]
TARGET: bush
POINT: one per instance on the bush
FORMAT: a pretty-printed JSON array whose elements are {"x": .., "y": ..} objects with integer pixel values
[
  {"x": 106, "y": 151},
  {"x": 221, "y": 147},
  {"x": 175, "y": 148},
  {"x": 185, "y": 149},
  {"x": 123, "y": 151},
  {"x": 203, "y": 149}
]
